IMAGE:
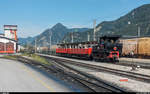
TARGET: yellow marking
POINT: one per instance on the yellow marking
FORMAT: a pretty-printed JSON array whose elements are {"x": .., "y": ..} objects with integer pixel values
[{"x": 37, "y": 79}]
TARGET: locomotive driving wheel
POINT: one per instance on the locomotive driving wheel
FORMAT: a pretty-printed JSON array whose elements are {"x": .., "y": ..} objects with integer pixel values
[{"x": 115, "y": 60}]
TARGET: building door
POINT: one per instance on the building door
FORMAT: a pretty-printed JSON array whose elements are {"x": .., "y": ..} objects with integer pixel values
[
  {"x": 10, "y": 47},
  {"x": 1, "y": 47}
]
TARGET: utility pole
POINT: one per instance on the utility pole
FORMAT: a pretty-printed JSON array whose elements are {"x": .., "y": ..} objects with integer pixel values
[
  {"x": 28, "y": 46},
  {"x": 139, "y": 31},
  {"x": 57, "y": 41},
  {"x": 50, "y": 39},
  {"x": 94, "y": 26},
  {"x": 138, "y": 36},
  {"x": 72, "y": 36},
  {"x": 35, "y": 45},
  {"x": 88, "y": 36}
]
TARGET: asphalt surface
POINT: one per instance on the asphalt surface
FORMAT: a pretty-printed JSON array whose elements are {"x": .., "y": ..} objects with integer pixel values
[{"x": 18, "y": 77}]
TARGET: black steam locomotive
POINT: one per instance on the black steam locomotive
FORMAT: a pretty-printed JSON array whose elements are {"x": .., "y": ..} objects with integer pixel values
[{"x": 108, "y": 49}]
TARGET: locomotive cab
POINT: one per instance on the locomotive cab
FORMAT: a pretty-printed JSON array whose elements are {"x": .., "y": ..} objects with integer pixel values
[{"x": 108, "y": 48}]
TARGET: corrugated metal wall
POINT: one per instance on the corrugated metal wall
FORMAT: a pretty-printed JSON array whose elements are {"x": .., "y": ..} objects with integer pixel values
[{"x": 142, "y": 48}]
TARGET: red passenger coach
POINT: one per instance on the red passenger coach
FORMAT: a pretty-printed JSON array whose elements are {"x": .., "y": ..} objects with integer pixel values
[
  {"x": 82, "y": 49},
  {"x": 74, "y": 51}
]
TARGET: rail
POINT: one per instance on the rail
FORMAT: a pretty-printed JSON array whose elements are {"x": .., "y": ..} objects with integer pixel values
[
  {"x": 132, "y": 75},
  {"x": 93, "y": 84}
]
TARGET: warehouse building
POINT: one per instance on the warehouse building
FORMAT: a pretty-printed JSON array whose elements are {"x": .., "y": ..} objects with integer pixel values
[{"x": 8, "y": 40}]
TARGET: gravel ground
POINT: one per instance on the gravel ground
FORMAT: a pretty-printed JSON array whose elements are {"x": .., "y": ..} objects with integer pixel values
[
  {"x": 129, "y": 85},
  {"x": 136, "y": 86},
  {"x": 119, "y": 67}
]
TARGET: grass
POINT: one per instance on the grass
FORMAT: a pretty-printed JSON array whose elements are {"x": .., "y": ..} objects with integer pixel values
[
  {"x": 10, "y": 57},
  {"x": 40, "y": 59},
  {"x": 37, "y": 58},
  {"x": 33, "y": 56}
]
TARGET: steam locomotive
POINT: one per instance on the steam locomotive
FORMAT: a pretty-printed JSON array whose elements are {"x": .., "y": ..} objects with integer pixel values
[{"x": 107, "y": 48}]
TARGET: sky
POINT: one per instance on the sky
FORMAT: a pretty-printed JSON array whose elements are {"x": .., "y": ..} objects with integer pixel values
[{"x": 34, "y": 16}]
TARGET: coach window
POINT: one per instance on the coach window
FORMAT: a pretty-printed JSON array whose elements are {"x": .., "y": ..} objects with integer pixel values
[
  {"x": 75, "y": 46},
  {"x": 70, "y": 46},
  {"x": 83, "y": 47},
  {"x": 59, "y": 46}
]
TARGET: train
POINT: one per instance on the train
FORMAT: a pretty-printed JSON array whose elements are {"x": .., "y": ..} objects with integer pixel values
[{"x": 107, "y": 48}]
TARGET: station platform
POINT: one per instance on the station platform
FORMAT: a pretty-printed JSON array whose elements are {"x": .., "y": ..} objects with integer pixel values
[{"x": 19, "y": 77}]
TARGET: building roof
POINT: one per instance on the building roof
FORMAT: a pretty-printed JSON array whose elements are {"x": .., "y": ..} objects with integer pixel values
[
  {"x": 1, "y": 34},
  {"x": 10, "y": 25},
  {"x": 8, "y": 38},
  {"x": 132, "y": 37}
]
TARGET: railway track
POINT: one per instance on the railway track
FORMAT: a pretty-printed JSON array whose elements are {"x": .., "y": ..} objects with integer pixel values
[
  {"x": 90, "y": 81},
  {"x": 131, "y": 75},
  {"x": 123, "y": 63},
  {"x": 93, "y": 84},
  {"x": 127, "y": 63}
]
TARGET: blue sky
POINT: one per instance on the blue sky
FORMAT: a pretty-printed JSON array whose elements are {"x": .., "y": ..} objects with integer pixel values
[{"x": 34, "y": 16}]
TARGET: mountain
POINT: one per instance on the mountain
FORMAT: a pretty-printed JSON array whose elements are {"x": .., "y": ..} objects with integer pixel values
[
  {"x": 126, "y": 25},
  {"x": 24, "y": 41},
  {"x": 58, "y": 33},
  {"x": 78, "y": 36}
]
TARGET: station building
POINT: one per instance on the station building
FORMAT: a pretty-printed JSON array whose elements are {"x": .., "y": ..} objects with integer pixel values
[{"x": 8, "y": 40}]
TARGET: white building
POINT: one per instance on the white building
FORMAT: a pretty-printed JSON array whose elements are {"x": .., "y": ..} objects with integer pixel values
[{"x": 8, "y": 40}]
